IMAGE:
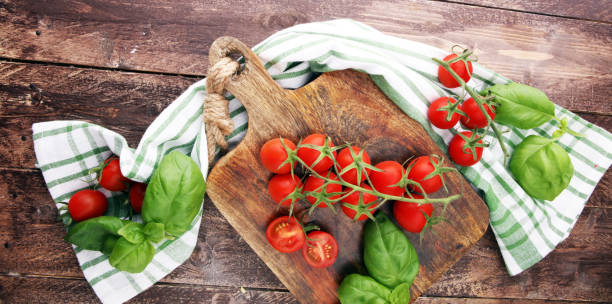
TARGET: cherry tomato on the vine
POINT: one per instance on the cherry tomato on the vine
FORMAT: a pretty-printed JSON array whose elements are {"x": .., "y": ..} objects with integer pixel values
[
  {"x": 321, "y": 249},
  {"x": 315, "y": 184},
  {"x": 87, "y": 204},
  {"x": 410, "y": 215},
  {"x": 461, "y": 153},
  {"x": 439, "y": 117},
  {"x": 345, "y": 159},
  {"x": 137, "y": 194},
  {"x": 111, "y": 178},
  {"x": 352, "y": 201},
  {"x": 474, "y": 117},
  {"x": 309, "y": 156},
  {"x": 459, "y": 67},
  {"x": 285, "y": 234},
  {"x": 273, "y": 154},
  {"x": 384, "y": 181},
  {"x": 282, "y": 185},
  {"x": 420, "y": 168}
]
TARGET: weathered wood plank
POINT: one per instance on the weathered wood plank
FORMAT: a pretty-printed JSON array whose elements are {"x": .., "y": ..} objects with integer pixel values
[
  {"x": 54, "y": 290},
  {"x": 567, "y": 58},
  {"x": 124, "y": 102},
  {"x": 598, "y": 10},
  {"x": 31, "y": 243}
]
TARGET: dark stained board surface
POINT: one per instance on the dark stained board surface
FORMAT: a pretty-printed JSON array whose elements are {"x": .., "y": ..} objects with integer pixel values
[{"x": 563, "y": 49}]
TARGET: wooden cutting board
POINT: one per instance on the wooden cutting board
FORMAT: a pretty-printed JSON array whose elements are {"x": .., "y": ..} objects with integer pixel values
[{"x": 349, "y": 107}]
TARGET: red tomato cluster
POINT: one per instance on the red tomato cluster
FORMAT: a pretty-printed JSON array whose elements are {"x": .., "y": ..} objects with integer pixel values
[
  {"x": 88, "y": 203},
  {"x": 323, "y": 188},
  {"x": 445, "y": 112}
]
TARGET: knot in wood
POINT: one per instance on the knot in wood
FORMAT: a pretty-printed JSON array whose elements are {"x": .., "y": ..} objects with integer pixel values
[{"x": 218, "y": 123}]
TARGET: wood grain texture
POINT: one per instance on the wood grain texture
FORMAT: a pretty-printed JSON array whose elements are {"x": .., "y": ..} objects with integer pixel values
[
  {"x": 564, "y": 57},
  {"x": 31, "y": 243},
  {"x": 597, "y": 10}
]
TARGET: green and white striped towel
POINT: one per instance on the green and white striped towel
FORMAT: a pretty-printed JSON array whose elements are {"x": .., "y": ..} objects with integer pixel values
[{"x": 526, "y": 229}]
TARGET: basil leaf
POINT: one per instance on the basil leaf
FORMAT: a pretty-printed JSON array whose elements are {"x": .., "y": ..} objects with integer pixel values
[
  {"x": 400, "y": 294},
  {"x": 130, "y": 257},
  {"x": 174, "y": 194},
  {"x": 357, "y": 289},
  {"x": 388, "y": 254},
  {"x": 92, "y": 233},
  {"x": 154, "y": 232},
  {"x": 109, "y": 244},
  {"x": 541, "y": 167},
  {"x": 521, "y": 106},
  {"x": 132, "y": 232}
]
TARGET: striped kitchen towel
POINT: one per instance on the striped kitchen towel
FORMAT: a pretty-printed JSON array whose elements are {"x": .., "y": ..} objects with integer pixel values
[{"x": 526, "y": 229}]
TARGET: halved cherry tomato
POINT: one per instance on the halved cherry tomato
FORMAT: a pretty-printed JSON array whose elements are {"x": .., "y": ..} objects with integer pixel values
[
  {"x": 285, "y": 234},
  {"x": 459, "y": 67},
  {"x": 309, "y": 156},
  {"x": 273, "y": 154},
  {"x": 410, "y": 215},
  {"x": 315, "y": 184},
  {"x": 475, "y": 118},
  {"x": 420, "y": 167},
  {"x": 281, "y": 185},
  {"x": 384, "y": 181},
  {"x": 345, "y": 159},
  {"x": 137, "y": 194},
  {"x": 352, "y": 201},
  {"x": 87, "y": 204},
  {"x": 111, "y": 178},
  {"x": 321, "y": 249}
]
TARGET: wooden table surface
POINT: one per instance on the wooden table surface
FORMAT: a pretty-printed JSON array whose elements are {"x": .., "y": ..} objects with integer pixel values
[{"x": 120, "y": 63}]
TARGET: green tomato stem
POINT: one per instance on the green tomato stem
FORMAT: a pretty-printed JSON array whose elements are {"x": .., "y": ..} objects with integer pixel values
[{"x": 479, "y": 101}]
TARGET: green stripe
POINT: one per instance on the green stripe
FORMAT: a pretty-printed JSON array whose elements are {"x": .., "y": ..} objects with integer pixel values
[
  {"x": 294, "y": 50},
  {"x": 238, "y": 111},
  {"x": 291, "y": 74},
  {"x": 160, "y": 266},
  {"x": 77, "y": 157},
  {"x": 178, "y": 135},
  {"x": 149, "y": 276},
  {"x": 92, "y": 143},
  {"x": 103, "y": 276},
  {"x": 237, "y": 130},
  {"x": 94, "y": 262},
  {"x": 53, "y": 132},
  {"x": 133, "y": 283}
]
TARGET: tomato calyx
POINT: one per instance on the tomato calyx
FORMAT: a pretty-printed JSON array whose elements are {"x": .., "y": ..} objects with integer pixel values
[
  {"x": 292, "y": 157},
  {"x": 321, "y": 196},
  {"x": 452, "y": 108},
  {"x": 325, "y": 151},
  {"x": 359, "y": 164},
  {"x": 472, "y": 142},
  {"x": 431, "y": 221},
  {"x": 465, "y": 55},
  {"x": 439, "y": 170},
  {"x": 362, "y": 207}
]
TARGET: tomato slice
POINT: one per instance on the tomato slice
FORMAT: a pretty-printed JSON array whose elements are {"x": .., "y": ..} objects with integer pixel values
[
  {"x": 285, "y": 234},
  {"x": 321, "y": 250}
]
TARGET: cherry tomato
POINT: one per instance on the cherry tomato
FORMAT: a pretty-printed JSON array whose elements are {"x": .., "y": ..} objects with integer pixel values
[
  {"x": 309, "y": 156},
  {"x": 475, "y": 118},
  {"x": 137, "y": 194},
  {"x": 282, "y": 185},
  {"x": 285, "y": 234},
  {"x": 447, "y": 79},
  {"x": 420, "y": 168},
  {"x": 111, "y": 177},
  {"x": 345, "y": 159},
  {"x": 353, "y": 199},
  {"x": 461, "y": 154},
  {"x": 409, "y": 216},
  {"x": 273, "y": 154},
  {"x": 438, "y": 118},
  {"x": 321, "y": 249},
  {"x": 383, "y": 181},
  {"x": 87, "y": 204},
  {"x": 315, "y": 184}
]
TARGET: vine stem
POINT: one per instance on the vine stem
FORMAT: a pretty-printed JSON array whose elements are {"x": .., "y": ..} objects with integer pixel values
[
  {"x": 479, "y": 101},
  {"x": 385, "y": 197}
]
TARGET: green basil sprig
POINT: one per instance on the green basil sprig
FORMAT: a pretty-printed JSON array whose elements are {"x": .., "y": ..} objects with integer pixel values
[
  {"x": 521, "y": 106},
  {"x": 131, "y": 256},
  {"x": 400, "y": 294},
  {"x": 541, "y": 167},
  {"x": 174, "y": 194},
  {"x": 92, "y": 234},
  {"x": 388, "y": 254},
  {"x": 358, "y": 289}
]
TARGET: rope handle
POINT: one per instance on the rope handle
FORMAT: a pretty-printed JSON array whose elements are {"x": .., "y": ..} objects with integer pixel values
[{"x": 218, "y": 123}]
